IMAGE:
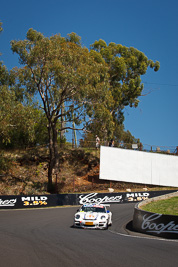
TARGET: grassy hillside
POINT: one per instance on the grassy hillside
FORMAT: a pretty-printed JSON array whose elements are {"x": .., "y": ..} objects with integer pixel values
[{"x": 164, "y": 206}]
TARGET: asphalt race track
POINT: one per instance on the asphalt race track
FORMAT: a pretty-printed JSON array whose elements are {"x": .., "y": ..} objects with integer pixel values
[{"x": 44, "y": 237}]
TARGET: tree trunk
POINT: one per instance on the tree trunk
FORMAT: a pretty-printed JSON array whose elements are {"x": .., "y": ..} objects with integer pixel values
[
  {"x": 62, "y": 132},
  {"x": 53, "y": 155},
  {"x": 55, "y": 148},
  {"x": 51, "y": 160}
]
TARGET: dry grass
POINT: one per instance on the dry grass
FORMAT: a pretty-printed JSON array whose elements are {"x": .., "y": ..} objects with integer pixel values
[{"x": 26, "y": 173}]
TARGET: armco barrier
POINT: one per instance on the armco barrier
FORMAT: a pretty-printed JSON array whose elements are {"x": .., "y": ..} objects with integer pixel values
[
  {"x": 163, "y": 226},
  {"x": 39, "y": 201}
]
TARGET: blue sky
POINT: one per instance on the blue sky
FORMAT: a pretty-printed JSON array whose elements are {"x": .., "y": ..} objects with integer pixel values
[{"x": 150, "y": 26}]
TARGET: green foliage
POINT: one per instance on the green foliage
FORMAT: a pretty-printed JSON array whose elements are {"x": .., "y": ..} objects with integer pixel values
[
  {"x": 121, "y": 137},
  {"x": 125, "y": 138},
  {"x": 7, "y": 103},
  {"x": 72, "y": 72},
  {"x": 94, "y": 86},
  {"x": 88, "y": 88},
  {"x": 74, "y": 38},
  {"x": 20, "y": 125},
  {"x": 4, "y": 75},
  {"x": 126, "y": 66},
  {"x": 61, "y": 140},
  {"x": 69, "y": 80}
]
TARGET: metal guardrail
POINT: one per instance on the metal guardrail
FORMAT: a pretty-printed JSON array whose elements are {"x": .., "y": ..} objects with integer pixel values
[
  {"x": 91, "y": 145},
  {"x": 142, "y": 147}
]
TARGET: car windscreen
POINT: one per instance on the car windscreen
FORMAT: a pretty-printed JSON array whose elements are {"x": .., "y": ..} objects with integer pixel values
[{"x": 93, "y": 209}]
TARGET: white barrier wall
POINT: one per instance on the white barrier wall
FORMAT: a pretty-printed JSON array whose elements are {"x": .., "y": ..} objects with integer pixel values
[{"x": 133, "y": 166}]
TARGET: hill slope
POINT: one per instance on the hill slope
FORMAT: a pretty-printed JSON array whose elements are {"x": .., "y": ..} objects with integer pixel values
[{"x": 25, "y": 172}]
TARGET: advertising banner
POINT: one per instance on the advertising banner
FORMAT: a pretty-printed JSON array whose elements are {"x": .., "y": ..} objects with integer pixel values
[
  {"x": 159, "y": 225},
  {"x": 42, "y": 201}
]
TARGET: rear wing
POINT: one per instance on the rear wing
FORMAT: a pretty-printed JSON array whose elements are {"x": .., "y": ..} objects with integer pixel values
[{"x": 96, "y": 205}]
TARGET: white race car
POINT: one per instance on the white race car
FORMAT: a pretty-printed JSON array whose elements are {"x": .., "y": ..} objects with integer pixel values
[{"x": 93, "y": 216}]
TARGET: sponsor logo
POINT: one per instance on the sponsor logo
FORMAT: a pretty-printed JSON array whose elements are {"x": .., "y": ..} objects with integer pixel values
[
  {"x": 145, "y": 194},
  {"x": 34, "y": 200},
  {"x": 8, "y": 202},
  {"x": 151, "y": 226},
  {"x": 92, "y": 198},
  {"x": 137, "y": 196}
]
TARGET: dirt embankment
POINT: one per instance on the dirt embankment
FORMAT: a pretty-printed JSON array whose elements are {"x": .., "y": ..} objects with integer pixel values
[{"x": 26, "y": 173}]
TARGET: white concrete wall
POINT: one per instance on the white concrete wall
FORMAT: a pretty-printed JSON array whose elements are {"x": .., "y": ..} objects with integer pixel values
[{"x": 126, "y": 165}]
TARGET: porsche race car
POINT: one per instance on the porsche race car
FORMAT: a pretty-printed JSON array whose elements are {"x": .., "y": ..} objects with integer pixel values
[{"x": 93, "y": 216}]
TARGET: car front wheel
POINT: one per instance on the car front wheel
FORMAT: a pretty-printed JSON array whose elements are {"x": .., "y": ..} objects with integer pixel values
[{"x": 106, "y": 227}]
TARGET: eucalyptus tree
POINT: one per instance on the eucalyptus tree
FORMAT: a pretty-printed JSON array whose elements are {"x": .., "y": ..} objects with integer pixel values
[
  {"x": 78, "y": 85},
  {"x": 3, "y": 70},
  {"x": 19, "y": 122},
  {"x": 5, "y": 100},
  {"x": 62, "y": 73},
  {"x": 126, "y": 66},
  {"x": 17, "y": 118}
]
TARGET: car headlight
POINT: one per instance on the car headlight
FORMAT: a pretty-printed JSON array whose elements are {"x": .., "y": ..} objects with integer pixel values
[
  {"x": 77, "y": 216},
  {"x": 103, "y": 217}
]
